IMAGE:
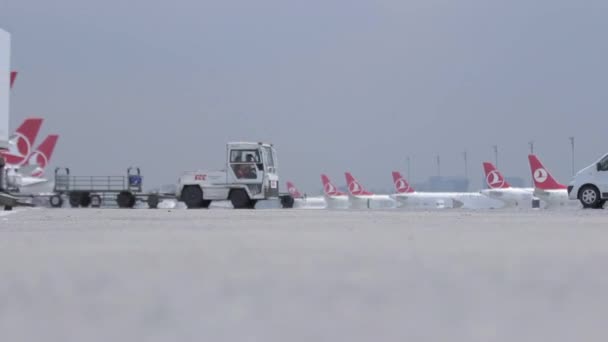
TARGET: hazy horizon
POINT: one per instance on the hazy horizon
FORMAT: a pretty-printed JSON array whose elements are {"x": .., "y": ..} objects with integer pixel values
[{"x": 335, "y": 85}]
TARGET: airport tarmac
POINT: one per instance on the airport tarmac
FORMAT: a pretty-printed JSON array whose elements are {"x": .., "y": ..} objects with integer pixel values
[{"x": 303, "y": 275}]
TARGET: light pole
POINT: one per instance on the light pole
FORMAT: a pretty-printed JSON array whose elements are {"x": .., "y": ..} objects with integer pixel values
[
  {"x": 531, "y": 143},
  {"x": 409, "y": 176},
  {"x": 466, "y": 168},
  {"x": 572, "y": 145},
  {"x": 495, "y": 155},
  {"x": 438, "y": 166}
]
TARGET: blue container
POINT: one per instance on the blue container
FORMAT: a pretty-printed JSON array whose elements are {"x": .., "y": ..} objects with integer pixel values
[{"x": 134, "y": 180}]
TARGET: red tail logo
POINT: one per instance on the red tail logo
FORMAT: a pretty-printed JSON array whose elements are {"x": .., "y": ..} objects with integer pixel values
[
  {"x": 42, "y": 156},
  {"x": 354, "y": 187},
  {"x": 542, "y": 178},
  {"x": 494, "y": 178},
  {"x": 13, "y": 77},
  {"x": 401, "y": 185},
  {"x": 328, "y": 188},
  {"x": 293, "y": 191},
  {"x": 24, "y": 138}
]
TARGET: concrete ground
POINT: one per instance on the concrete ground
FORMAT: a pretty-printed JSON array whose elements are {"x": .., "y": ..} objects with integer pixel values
[{"x": 303, "y": 275}]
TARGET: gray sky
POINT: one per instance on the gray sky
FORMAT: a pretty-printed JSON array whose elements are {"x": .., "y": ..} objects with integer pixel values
[{"x": 336, "y": 85}]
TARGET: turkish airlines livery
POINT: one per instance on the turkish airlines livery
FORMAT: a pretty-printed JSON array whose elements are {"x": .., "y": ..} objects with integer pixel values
[
  {"x": 31, "y": 173},
  {"x": 406, "y": 196},
  {"x": 21, "y": 143},
  {"x": 546, "y": 188},
  {"x": 334, "y": 198},
  {"x": 304, "y": 202},
  {"x": 363, "y": 199},
  {"x": 500, "y": 189},
  {"x": 13, "y": 78}
]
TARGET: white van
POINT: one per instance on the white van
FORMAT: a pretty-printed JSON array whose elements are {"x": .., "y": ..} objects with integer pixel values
[{"x": 590, "y": 185}]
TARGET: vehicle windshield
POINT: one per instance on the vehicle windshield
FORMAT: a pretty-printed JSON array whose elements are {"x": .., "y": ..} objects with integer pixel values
[
  {"x": 245, "y": 163},
  {"x": 269, "y": 156},
  {"x": 245, "y": 156}
]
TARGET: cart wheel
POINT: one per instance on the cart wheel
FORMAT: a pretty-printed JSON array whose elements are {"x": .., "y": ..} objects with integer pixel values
[
  {"x": 56, "y": 201},
  {"x": 74, "y": 199},
  {"x": 95, "y": 201},
  {"x": 85, "y": 199},
  {"x": 153, "y": 201},
  {"x": 125, "y": 199}
]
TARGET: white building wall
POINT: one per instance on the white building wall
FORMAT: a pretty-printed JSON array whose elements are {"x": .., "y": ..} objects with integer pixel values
[{"x": 5, "y": 76}]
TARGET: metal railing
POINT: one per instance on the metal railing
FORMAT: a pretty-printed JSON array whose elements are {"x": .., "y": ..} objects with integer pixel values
[
  {"x": 90, "y": 183},
  {"x": 64, "y": 182}
]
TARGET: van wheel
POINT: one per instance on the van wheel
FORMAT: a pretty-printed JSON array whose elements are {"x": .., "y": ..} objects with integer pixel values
[
  {"x": 192, "y": 195},
  {"x": 240, "y": 199},
  {"x": 589, "y": 196}
]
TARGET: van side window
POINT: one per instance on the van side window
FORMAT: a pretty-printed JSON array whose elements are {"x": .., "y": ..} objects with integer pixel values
[{"x": 603, "y": 164}]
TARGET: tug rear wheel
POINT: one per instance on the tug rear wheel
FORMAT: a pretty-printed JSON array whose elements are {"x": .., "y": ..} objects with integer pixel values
[{"x": 240, "y": 199}]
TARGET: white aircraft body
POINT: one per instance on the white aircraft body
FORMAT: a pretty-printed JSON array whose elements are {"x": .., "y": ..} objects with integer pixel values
[
  {"x": 334, "y": 198},
  {"x": 500, "y": 189},
  {"x": 360, "y": 198},
  {"x": 303, "y": 201},
  {"x": 407, "y": 197}
]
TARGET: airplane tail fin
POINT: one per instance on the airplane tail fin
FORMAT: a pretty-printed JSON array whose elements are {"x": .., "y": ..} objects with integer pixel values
[
  {"x": 42, "y": 156},
  {"x": 328, "y": 188},
  {"x": 24, "y": 139},
  {"x": 494, "y": 178},
  {"x": 401, "y": 185},
  {"x": 293, "y": 191},
  {"x": 13, "y": 77},
  {"x": 354, "y": 187},
  {"x": 542, "y": 178}
]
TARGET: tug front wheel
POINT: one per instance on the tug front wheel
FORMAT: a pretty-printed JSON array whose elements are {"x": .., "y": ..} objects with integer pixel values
[{"x": 240, "y": 199}]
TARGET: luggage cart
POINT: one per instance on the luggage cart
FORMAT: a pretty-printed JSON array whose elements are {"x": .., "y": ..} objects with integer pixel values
[{"x": 97, "y": 191}]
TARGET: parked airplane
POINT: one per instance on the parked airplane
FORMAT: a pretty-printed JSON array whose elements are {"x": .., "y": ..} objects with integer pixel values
[
  {"x": 546, "y": 187},
  {"x": 31, "y": 174},
  {"x": 334, "y": 198},
  {"x": 362, "y": 199},
  {"x": 305, "y": 202},
  {"x": 500, "y": 189},
  {"x": 408, "y": 197}
]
